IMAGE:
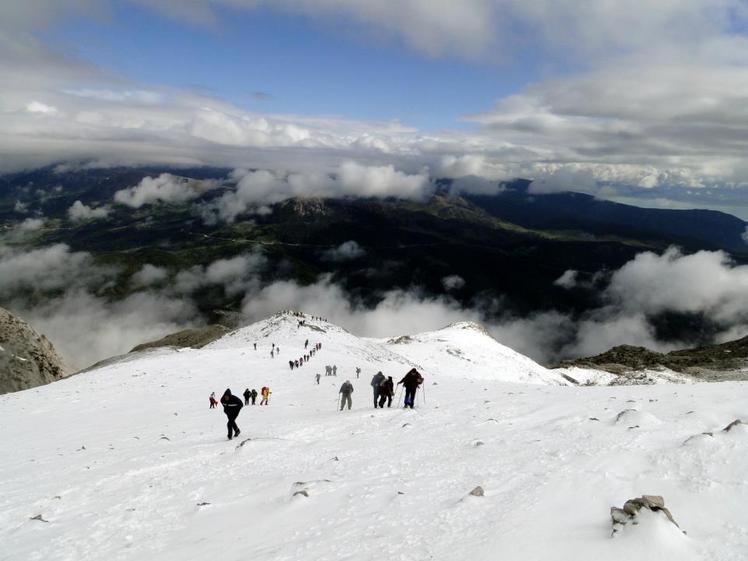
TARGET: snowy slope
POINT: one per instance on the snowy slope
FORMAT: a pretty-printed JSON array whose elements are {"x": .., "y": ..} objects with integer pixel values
[
  {"x": 127, "y": 463},
  {"x": 466, "y": 349}
]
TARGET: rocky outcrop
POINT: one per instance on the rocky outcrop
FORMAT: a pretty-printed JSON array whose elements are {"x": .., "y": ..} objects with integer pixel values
[
  {"x": 27, "y": 358},
  {"x": 629, "y": 514},
  {"x": 726, "y": 361},
  {"x": 194, "y": 338}
]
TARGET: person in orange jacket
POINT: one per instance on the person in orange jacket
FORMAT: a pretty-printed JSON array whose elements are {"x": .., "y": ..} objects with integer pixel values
[{"x": 265, "y": 393}]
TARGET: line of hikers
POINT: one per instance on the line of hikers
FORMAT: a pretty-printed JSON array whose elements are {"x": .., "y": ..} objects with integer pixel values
[
  {"x": 298, "y": 363},
  {"x": 384, "y": 389}
]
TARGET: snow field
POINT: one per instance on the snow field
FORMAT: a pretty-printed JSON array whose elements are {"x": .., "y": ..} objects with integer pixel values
[{"x": 157, "y": 478}]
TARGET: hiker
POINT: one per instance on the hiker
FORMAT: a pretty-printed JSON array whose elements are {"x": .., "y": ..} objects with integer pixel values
[
  {"x": 376, "y": 382},
  {"x": 247, "y": 394},
  {"x": 255, "y": 346},
  {"x": 253, "y": 395},
  {"x": 345, "y": 394},
  {"x": 358, "y": 372},
  {"x": 290, "y": 364},
  {"x": 306, "y": 343},
  {"x": 386, "y": 392},
  {"x": 318, "y": 377},
  {"x": 277, "y": 350},
  {"x": 328, "y": 370},
  {"x": 231, "y": 406},
  {"x": 265, "y": 393},
  {"x": 334, "y": 369},
  {"x": 410, "y": 382},
  {"x": 213, "y": 400},
  {"x": 296, "y": 363}
]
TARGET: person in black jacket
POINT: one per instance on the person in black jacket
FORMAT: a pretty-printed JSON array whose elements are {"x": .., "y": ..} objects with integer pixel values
[
  {"x": 231, "y": 406},
  {"x": 247, "y": 394},
  {"x": 386, "y": 391},
  {"x": 410, "y": 382},
  {"x": 253, "y": 395},
  {"x": 376, "y": 381}
]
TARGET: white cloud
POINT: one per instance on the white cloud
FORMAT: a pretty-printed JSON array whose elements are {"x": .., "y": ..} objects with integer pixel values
[
  {"x": 381, "y": 181},
  {"x": 149, "y": 275},
  {"x": 410, "y": 311},
  {"x": 567, "y": 280},
  {"x": 86, "y": 328},
  {"x": 31, "y": 225},
  {"x": 236, "y": 275},
  {"x": 347, "y": 251},
  {"x": 165, "y": 188},
  {"x": 38, "y": 107},
  {"x": 49, "y": 268},
  {"x": 453, "y": 282},
  {"x": 256, "y": 189},
  {"x": 79, "y": 212},
  {"x": 706, "y": 281}
]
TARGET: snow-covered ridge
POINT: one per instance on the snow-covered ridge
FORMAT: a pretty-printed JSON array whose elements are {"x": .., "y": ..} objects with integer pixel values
[
  {"x": 462, "y": 349},
  {"x": 127, "y": 461}
]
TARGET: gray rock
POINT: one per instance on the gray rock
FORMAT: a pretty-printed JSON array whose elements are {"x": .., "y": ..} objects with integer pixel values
[
  {"x": 478, "y": 492},
  {"x": 631, "y": 508},
  {"x": 732, "y": 425},
  {"x": 27, "y": 358}
]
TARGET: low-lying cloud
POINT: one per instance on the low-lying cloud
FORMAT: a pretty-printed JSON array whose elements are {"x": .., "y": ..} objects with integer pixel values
[
  {"x": 63, "y": 294},
  {"x": 79, "y": 212},
  {"x": 347, "y": 251},
  {"x": 256, "y": 189},
  {"x": 166, "y": 188}
]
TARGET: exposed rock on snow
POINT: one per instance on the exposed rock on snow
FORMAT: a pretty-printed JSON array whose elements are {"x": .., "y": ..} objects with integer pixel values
[
  {"x": 735, "y": 423},
  {"x": 195, "y": 338},
  {"x": 478, "y": 492},
  {"x": 27, "y": 359},
  {"x": 629, "y": 514}
]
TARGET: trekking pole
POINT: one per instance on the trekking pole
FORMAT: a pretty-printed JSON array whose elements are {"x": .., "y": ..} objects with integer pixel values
[{"x": 399, "y": 395}]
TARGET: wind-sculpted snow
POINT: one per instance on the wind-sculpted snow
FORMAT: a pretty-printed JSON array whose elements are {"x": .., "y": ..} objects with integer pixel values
[{"x": 127, "y": 462}]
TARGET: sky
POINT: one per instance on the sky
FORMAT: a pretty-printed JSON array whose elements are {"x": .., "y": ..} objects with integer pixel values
[{"x": 636, "y": 100}]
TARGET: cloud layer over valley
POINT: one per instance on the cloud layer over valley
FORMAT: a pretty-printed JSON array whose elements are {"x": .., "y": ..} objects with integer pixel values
[{"x": 87, "y": 323}]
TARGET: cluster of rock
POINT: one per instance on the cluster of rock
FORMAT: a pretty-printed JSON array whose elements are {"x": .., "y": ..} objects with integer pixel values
[
  {"x": 195, "y": 338},
  {"x": 27, "y": 359},
  {"x": 621, "y": 517},
  {"x": 722, "y": 362}
]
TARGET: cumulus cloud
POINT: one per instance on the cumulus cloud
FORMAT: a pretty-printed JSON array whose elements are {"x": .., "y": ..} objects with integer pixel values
[
  {"x": 63, "y": 293},
  {"x": 79, "y": 212},
  {"x": 706, "y": 281},
  {"x": 31, "y": 225},
  {"x": 236, "y": 275},
  {"x": 567, "y": 280},
  {"x": 453, "y": 282},
  {"x": 166, "y": 188},
  {"x": 258, "y": 188},
  {"x": 50, "y": 268},
  {"x": 86, "y": 328},
  {"x": 409, "y": 310},
  {"x": 149, "y": 275},
  {"x": 658, "y": 102},
  {"x": 347, "y": 251}
]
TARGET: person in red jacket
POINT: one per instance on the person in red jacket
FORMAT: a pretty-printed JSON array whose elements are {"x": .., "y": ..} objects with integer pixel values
[{"x": 213, "y": 400}]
